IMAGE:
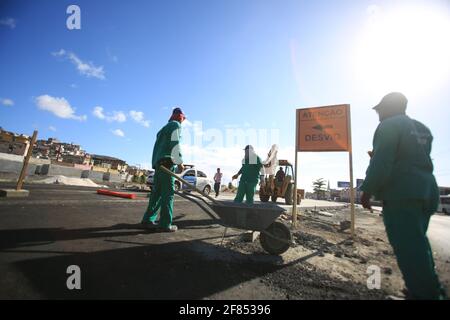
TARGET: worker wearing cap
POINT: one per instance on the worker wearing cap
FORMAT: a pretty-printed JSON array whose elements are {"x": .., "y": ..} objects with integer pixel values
[
  {"x": 251, "y": 166},
  {"x": 166, "y": 152},
  {"x": 401, "y": 175}
]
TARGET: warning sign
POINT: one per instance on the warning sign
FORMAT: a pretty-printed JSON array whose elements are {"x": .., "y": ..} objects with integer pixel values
[{"x": 323, "y": 128}]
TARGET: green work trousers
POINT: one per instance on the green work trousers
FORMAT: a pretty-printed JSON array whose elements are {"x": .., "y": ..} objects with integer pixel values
[
  {"x": 246, "y": 189},
  {"x": 161, "y": 199},
  {"x": 406, "y": 223}
]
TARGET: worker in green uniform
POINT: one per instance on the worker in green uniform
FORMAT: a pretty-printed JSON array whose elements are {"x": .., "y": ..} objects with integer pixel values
[
  {"x": 250, "y": 170},
  {"x": 166, "y": 152},
  {"x": 400, "y": 174}
]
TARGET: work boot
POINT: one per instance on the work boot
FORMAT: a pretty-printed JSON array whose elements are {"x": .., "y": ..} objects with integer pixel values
[
  {"x": 171, "y": 228},
  {"x": 149, "y": 224}
]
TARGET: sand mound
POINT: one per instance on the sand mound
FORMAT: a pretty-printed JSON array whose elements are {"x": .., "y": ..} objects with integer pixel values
[{"x": 82, "y": 182}]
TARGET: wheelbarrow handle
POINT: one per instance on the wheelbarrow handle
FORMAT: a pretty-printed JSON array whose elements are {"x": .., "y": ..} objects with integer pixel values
[{"x": 187, "y": 183}]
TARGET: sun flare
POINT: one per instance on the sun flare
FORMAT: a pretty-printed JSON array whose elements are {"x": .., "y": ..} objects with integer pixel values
[{"x": 404, "y": 49}]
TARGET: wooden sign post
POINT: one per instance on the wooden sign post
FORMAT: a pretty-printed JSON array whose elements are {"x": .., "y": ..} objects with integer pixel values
[
  {"x": 26, "y": 161},
  {"x": 324, "y": 129}
]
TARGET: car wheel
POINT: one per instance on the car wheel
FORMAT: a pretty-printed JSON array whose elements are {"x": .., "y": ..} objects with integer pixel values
[
  {"x": 445, "y": 211},
  {"x": 264, "y": 198},
  {"x": 177, "y": 186},
  {"x": 274, "y": 199},
  {"x": 207, "y": 190}
]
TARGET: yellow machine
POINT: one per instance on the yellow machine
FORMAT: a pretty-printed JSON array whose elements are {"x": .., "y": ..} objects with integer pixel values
[{"x": 273, "y": 189}]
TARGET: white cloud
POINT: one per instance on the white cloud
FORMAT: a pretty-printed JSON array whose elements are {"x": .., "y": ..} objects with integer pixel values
[
  {"x": 98, "y": 113},
  {"x": 118, "y": 133},
  {"x": 52, "y": 128},
  {"x": 6, "y": 102},
  {"x": 59, "y": 53},
  {"x": 8, "y": 22},
  {"x": 60, "y": 107},
  {"x": 138, "y": 116},
  {"x": 117, "y": 116},
  {"x": 73, "y": 86},
  {"x": 85, "y": 68}
]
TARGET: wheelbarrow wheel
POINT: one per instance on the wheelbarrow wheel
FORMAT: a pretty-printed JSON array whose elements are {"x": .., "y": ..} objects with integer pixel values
[{"x": 269, "y": 238}]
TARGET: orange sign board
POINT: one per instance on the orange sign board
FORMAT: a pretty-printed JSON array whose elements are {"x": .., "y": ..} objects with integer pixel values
[{"x": 324, "y": 128}]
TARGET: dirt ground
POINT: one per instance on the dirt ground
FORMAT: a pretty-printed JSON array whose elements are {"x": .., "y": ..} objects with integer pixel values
[{"x": 332, "y": 260}]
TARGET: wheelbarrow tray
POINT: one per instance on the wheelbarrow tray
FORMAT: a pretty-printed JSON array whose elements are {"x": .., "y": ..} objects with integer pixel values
[{"x": 256, "y": 217}]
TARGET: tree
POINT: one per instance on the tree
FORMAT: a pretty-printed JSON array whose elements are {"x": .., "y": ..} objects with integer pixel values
[{"x": 319, "y": 188}]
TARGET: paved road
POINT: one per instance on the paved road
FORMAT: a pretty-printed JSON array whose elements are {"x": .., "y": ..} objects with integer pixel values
[
  {"x": 59, "y": 226},
  {"x": 439, "y": 236}
]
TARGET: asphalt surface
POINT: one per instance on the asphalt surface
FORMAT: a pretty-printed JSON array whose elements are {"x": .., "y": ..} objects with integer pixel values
[
  {"x": 439, "y": 236},
  {"x": 59, "y": 226}
]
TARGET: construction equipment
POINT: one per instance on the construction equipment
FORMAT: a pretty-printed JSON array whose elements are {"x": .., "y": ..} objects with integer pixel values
[
  {"x": 272, "y": 189},
  {"x": 275, "y": 237}
]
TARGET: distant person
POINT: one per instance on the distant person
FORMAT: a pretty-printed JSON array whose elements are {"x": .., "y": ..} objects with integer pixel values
[
  {"x": 251, "y": 166},
  {"x": 166, "y": 153},
  {"x": 217, "y": 181},
  {"x": 280, "y": 177},
  {"x": 400, "y": 174}
]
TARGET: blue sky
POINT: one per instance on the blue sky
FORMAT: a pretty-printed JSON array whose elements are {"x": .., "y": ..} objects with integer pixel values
[{"x": 231, "y": 65}]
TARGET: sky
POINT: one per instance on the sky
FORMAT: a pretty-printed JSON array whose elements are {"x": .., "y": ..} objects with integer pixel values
[{"x": 238, "y": 68}]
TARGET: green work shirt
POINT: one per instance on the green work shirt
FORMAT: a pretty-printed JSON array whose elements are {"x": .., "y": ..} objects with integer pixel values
[
  {"x": 167, "y": 145},
  {"x": 401, "y": 167},
  {"x": 250, "y": 169}
]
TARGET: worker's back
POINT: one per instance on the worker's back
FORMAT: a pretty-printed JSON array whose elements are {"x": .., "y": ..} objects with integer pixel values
[
  {"x": 166, "y": 140},
  {"x": 251, "y": 167},
  {"x": 405, "y": 145}
]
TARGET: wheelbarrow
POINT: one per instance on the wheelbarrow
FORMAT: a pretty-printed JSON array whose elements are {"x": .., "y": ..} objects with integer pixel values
[{"x": 275, "y": 237}]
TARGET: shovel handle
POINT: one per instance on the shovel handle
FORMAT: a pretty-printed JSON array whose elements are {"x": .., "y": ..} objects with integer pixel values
[{"x": 187, "y": 183}]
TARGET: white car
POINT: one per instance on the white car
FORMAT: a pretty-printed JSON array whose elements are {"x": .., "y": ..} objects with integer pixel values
[
  {"x": 197, "y": 178},
  {"x": 444, "y": 204},
  {"x": 149, "y": 180},
  {"x": 191, "y": 175}
]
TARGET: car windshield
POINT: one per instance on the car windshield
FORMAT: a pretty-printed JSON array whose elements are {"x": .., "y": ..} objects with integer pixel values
[{"x": 190, "y": 173}]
